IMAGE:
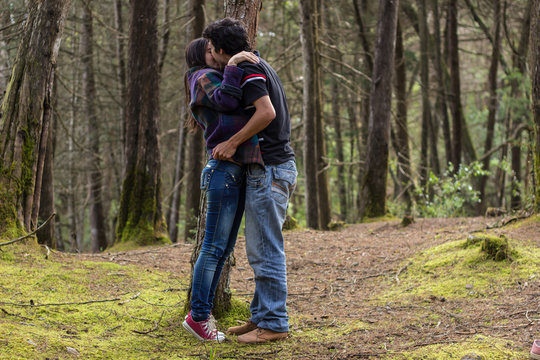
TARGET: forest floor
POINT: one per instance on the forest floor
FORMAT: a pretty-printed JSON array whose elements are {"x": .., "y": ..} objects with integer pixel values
[{"x": 369, "y": 291}]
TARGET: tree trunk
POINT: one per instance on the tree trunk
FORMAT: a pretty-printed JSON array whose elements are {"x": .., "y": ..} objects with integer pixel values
[
  {"x": 402, "y": 133},
  {"x": 47, "y": 234},
  {"x": 359, "y": 10},
  {"x": 174, "y": 208},
  {"x": 246, "y": 11},
  {"x": 309, "y": 110},
  {"x": 519, "y": 61},
  {"x": 534, "y": 46},
  {"x": 140, "y": 218},
  {"x": 512, "y": 120},
  {"x": 195, "y": 147},
  {"x": 380, "y": 109},
  {"x": 98, "y": 237},
  {"x": 164, "y": 40},
  {"x": 341, "y": 180},
  {"x": 72, "y": 174},
  {"x": 493, "y": 103},
  {"x": 455, "y": 89},
  {"x": 25, "y": 107},
  {"x": 325, "y": 211},
  {"x": 121, "y": 73},
  {"x": 441, "y": 84},
  {"x": 424, "y": 76}
]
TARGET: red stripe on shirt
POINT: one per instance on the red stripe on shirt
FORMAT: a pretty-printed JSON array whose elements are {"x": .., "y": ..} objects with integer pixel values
[{"x": 252, "y": 76}]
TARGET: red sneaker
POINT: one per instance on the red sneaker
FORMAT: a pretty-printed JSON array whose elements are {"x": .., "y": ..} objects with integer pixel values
[
  {"x": 535, "y": 350},
  {"x": 203, "y": 330}
]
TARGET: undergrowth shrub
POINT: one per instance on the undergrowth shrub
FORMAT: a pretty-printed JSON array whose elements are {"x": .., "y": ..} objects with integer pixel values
[{"x": 452, "y": 194}]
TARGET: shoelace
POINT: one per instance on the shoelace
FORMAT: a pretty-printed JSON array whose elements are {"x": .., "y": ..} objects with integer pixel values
[{"x": 210, "y": 326}]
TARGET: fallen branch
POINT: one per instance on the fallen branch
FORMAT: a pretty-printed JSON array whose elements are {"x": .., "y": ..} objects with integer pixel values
[
  {"x": 32, "y": 304},
  {"x": 16, "y": 315},
  {"x": 131, "y": 298},
  {"x": 400, "y": 270},
  {"x": 31, "y": 234},
  {"x": 151, "y": 330}
]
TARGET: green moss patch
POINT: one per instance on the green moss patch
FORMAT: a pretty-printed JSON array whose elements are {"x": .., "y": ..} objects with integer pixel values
[
  {"x": 97, "y": 310},
  {"x": 477, "y": 347},
  {"x": 460, "y": 269}
]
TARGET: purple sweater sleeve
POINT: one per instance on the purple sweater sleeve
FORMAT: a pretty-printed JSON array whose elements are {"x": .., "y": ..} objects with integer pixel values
[{"x": 224, "y": 94}]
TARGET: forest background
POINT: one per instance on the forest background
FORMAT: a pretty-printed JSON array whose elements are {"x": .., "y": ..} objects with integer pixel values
[
  {"x": 400, "y": 110},
  {"x": 459, "y": 137}
]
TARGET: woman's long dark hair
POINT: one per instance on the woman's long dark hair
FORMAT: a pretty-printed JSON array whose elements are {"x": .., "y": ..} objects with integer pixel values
[{"x": 195, "y": 56}]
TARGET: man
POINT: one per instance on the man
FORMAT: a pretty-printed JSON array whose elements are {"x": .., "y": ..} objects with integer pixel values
[{"x": 268, "y": 190}]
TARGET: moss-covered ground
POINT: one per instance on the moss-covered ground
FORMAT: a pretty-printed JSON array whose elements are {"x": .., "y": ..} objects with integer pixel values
[{"x": 446, "y": 301}]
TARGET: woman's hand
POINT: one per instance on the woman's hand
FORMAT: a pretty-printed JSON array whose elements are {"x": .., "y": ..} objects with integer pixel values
[{"x": 243, "y": 56}]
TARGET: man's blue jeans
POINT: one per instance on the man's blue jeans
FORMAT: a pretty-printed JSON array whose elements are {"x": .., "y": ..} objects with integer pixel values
[
  {"x": 224, "y": 185},
  {"x": 268, "y": 192}
]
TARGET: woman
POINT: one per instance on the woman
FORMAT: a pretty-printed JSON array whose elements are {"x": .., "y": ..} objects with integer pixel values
[{"x": 213, "y": 99}]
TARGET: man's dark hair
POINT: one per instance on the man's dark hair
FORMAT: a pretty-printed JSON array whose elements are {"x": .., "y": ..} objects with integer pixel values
[{"x": 227, "y": 34}]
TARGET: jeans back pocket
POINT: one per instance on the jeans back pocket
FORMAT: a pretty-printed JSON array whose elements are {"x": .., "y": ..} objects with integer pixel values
[{"x": 206, "y": 175}]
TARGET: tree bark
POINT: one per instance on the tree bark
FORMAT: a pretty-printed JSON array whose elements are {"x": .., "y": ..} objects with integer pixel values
[
  {"x": 441, "y": 104},
  {"x": 360, "y": 9},
  {"x": 424, "y": 76},
  {"x": 164, "y": 40},
  {"x": 246, "y": 11},
  {"x": 341, "y": 180},
  {"x": 195, "y": 146},
  {"x": 25, "y": 107},
  {"x": 325, "y": 211},
  {"x": 140, "y": 218},
  {"x": 380, "y": 109},
  {"x": 309, "y": 114},
  {"x": 493, "y": 103},
  {"x": 121, "y": 73},
  {"x": 534, "y": 62},
  {"x": 47, "y": 234},
  {"x": 512, "y": 119},
  {"x": 98, "y": 236},
  {"x": 402, "y": 133},
  {"x": 519, "y": 61},
  {"x": 174, "y": 208},
  {"x": 455, "y": 87}
]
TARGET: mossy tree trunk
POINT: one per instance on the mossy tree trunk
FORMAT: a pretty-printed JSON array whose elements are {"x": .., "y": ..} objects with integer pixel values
[
  {"x": 534, "y": 54},
  {"x": 25, "y": 114},
  {"x": 140, "y": 218}
]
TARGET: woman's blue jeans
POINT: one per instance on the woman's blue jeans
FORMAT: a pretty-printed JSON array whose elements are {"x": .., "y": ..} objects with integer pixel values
[{"x": 224, "y": 184}]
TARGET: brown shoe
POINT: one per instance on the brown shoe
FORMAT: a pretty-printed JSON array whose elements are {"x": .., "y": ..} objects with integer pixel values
[
  {"x": 259, "y": 335},
  {"x": 242, "y": 329}
]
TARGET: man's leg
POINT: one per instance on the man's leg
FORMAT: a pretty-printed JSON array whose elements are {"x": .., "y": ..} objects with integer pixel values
[{"x": 267, "y": 196}]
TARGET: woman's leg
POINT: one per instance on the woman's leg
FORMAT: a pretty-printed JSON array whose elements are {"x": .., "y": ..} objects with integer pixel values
[
  {"x": 222, "y": 183},
  {"x": 232, "y": 241}
]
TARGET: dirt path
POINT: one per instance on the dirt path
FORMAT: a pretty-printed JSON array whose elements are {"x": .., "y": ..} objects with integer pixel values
[{"x": 333, "y": 277}]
